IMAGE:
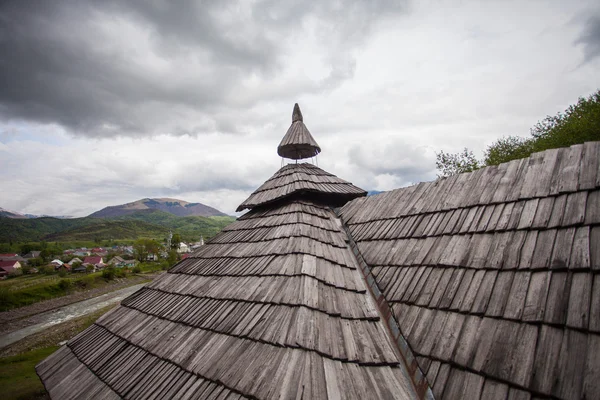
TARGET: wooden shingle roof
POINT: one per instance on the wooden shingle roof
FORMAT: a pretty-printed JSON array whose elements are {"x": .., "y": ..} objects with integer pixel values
[
  {"x": 298, "y": 143},
  {"x": 493, "y": 276},
  {"x": 294, "y": 180},
  {"x": 273, "y": 307}
]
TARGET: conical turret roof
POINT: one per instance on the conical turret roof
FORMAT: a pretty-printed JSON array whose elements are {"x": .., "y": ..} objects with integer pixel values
[{"x": 298, "y": 143}]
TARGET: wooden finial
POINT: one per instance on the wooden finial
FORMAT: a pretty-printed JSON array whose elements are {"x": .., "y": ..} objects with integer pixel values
[{"x": 297, "y": 114}]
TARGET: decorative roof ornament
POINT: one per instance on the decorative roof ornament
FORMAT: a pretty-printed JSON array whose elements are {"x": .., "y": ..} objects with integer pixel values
[{"x": 298, "y": 143}]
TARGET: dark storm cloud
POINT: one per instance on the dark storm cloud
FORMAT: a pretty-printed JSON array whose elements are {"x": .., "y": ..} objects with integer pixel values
[
  {"x": 590, "y": 38},
  {"x": 64, "y": 62}
]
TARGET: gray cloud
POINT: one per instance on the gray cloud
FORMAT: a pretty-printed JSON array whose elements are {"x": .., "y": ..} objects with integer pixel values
[
  {"x": 396, "y": 161},
  {"x": 105, "y": 69},
  {"x": 590, "y": 38}
]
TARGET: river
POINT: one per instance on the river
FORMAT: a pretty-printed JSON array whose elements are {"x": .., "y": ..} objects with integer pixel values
[{"x": 66, "y": 313}]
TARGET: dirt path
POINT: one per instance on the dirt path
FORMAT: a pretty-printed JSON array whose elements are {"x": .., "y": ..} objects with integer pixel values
[{"x": 17, "y": 318}]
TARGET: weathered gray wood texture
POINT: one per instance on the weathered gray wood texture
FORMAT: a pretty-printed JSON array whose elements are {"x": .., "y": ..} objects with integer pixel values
[
  {"x": 298, "y": 143},
  {"x": 273, "y": 307},
  {"x": 302, "y": 180},
  {"x": 494, "y": 275}
]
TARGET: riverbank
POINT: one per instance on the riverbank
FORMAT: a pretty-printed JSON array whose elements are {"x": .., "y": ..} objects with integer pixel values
[
  {"x": 18, "y": 318},
  {"x": 17, "y": 361}
]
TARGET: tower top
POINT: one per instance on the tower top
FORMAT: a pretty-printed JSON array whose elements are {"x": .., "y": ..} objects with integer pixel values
[{"x": 298, "y": 143}]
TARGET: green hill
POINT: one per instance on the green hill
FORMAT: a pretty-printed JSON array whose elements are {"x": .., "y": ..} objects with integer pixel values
[
  {"x": 188, "y": 227},
  {"x": 145, "y": 223}
]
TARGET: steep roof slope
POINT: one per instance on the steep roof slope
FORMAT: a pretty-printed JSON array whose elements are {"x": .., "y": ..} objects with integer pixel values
[
  {"x": 493, "y": 276},
  {"x": 274, "y": 306}
]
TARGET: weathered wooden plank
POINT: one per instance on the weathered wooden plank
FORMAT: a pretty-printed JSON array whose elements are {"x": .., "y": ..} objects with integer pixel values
[
  {"x": 505, "y": 184},
  {"x": 447, "y": 288},
  {"x": 461, "y": 291},
  {"x": 445, "y": 343},
  {"x": 532, "y": 173},
  {"x": 543, "y": 249},
  {"x": 425, "y": 344},
  {"x": 591, "y": 383},
  {"x": 543, "y": 213},
  {"x": 512, "y": 254},
  {"x": 566, "y": 178},
  {"x": 431, "y": 287},
  {"x": 592, "y": 213},
  {"x": 432, "y": 372},
  {"x": 562, "y": 248},
  {"x": 463, "y": 384},
  {"x": 495, "y": 217},
  {"x": 517, "y": 394},
  {"x": 484, "y": 293},
  {"x": 493, "y": 390},
  {"x": 535, "y": 303},
  {"x": 500, "y": 293},
  {"x": 546, "y": 173},
  {"x": 545, "y": 372},
  {"x": 580, "y": 253},
  {"x": 590, "y": 165},
  {"x": 471, "y": 292},
  {"x": 440, "y": 380},
  {"x": 484, "y": 344},
  {"x": 558, "y": 210},
  {"x": 570, "y": 364},
  {"x": 469, "y": 337},
  {"x": 575, "y": 208},
  {"x": 518, "y": 293},
  {"x": 515, "y": 216},
  {"x": 527, "y": 250},
  {"x": 558, "y": 298},
  {"x": 579, "y": 300},
  {"x": 528, "y": 214},
  {"x": 594, "y": 325},
  {"x": 511, "y": 354},
  {"x": 595, "y": 248}
]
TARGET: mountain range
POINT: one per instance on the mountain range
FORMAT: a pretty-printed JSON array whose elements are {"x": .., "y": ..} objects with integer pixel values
[
  {"x": 143, "y": 218},
  {"x": 176, "y": 207}
]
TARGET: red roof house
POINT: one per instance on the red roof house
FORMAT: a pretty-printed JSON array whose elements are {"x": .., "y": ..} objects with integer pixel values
[
  {"x": 93, "y": 260},
  {"x": 6, "y": 267}
]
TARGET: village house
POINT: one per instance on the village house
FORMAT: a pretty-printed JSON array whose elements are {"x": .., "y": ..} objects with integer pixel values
[
  {"x": 119, "y": 262},
  {"x": 75, "y": 260},
  {"x": 7, "y": 267},
  {"x": 12, "y": 257},
  {"x": 32, "y": 254},
  {"x": 480, "y": 286},
  {"x": 94, "y": 261}
]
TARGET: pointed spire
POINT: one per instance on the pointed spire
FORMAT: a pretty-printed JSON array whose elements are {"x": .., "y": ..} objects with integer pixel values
[
  {"x": 298, "y": 143},
  {"x": 296, "y": 114}
]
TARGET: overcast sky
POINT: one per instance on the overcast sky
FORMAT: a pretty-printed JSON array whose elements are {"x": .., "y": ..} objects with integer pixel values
[{"x": 107, "y": 102}]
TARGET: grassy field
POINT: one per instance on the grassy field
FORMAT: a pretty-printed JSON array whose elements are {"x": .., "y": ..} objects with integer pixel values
[
  {"x": 17, "y": 374},
  {"x": 28, "y": 289},
  {"x": 18, "y": 379}
]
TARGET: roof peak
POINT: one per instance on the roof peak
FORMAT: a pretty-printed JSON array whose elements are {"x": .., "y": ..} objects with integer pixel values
[
  {"x": 298, "y": 143},
  {"x": 296, "y": 114}
]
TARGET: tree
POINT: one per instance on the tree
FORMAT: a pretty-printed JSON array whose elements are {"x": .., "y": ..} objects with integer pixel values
[
  {"x": 579, "y": 123},
  {"x": 507, "y": 149},
  {"x": 450, "y": 164},
  {"x": 175, "y": 240},
  {"x": 143, "y": 247}
]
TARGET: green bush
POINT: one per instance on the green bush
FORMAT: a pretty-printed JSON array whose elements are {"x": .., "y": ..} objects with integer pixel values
[
  {"x": 108, "y": 274},
  {"x": 64, "y": 285},
  {"x": 136, "y": 269}
]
